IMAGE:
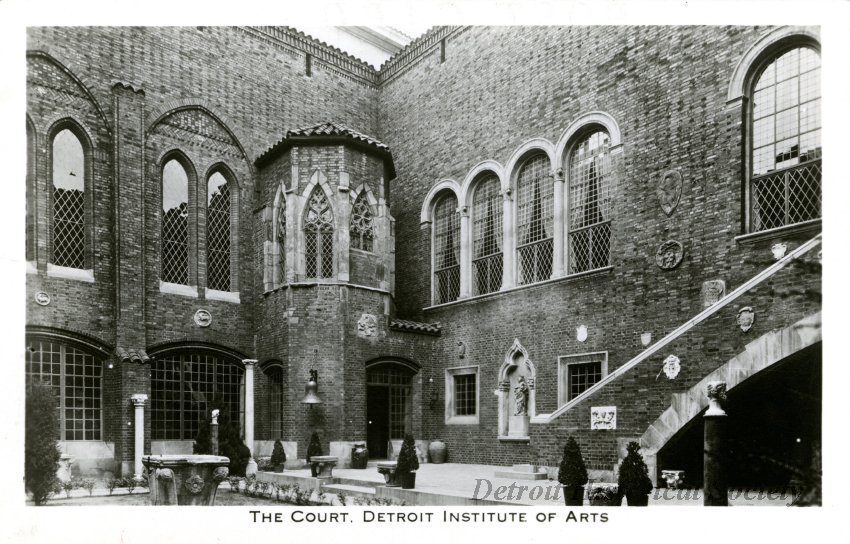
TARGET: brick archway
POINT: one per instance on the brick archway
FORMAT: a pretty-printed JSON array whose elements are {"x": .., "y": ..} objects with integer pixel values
[{"x": 759, "y": 354}]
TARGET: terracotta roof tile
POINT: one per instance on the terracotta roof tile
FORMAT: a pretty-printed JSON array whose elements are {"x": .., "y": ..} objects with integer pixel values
[{"x": 415, "y": 326}]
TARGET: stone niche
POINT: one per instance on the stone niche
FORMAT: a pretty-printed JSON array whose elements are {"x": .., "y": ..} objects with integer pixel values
[{"x": 516, "y": 394}]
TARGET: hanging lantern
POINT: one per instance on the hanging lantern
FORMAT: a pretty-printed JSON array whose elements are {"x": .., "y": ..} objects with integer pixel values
[{"x": 311, "y": 390}]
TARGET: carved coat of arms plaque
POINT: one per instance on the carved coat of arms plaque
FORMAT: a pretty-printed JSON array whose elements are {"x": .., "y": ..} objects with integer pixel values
[
  {"x": 669, "y": 191},
  {"x": 746, "y": 318},
  {"x": 669, "y": 255},
  {"x": 367, "y": 325}
]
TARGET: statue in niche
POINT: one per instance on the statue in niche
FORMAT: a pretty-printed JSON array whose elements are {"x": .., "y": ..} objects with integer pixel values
[{"x": 521, "y": 396}]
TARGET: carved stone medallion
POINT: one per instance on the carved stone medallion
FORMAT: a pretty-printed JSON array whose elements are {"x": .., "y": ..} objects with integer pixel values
[
  {"x": 581, "y": 333},
  {"x": 194, "y": 484},
  {"x": 42, "y": 298},
  {"x": 712, "y": 291},
  {"x": 778, "y": 249},
  {"x": 603, "y": 418},
  {"x": 669, "y": 255},
  {"x": 203, "y": 318},
  {"x": 746, "y": 318},
  {"x": 669, "y": 191},
  {"x": 367, "y": 325},
  {"x": 646, "y": 338},
  {"x": 672, "y": 366}
]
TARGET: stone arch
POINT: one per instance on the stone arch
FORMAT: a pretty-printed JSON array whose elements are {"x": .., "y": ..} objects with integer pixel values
[
  {"x": 759, "y": 354},
  {"x": 517, "y": 364},
  {"x": 519, "y": 156},
  {"x": 427, "y": 213},
  {"x": 586, "y": 122},
  {"x": 474, "y": 175}
]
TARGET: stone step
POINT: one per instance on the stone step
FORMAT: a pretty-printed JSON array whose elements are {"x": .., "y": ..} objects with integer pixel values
[
  {"x": 352, "y": 490},
  {"x": 521, "y": 475}
]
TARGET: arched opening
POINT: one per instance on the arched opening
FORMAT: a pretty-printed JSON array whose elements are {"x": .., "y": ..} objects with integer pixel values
[
  {"x": 774, "y": 428},
  {"x": 389, "y": 413}
]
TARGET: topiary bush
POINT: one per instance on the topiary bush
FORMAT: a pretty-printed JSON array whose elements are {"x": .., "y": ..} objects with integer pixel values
[
  {"x": 41, "y": 448},
  {"x": 634, "y": 481},
  {"x": 230, "y": 444},
  {"x": 572, "y": 473},
  {"x": 315, "y": 447},
  {"x": 407, "y": 460},
  {"x": 278, "y": 456}
]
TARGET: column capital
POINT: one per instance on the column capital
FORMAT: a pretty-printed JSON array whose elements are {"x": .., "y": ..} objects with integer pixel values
[
  {"x": 558, "y": 174},
  {"x": 249, "y": 362},
  {"x": 139, "y": 399},
  {"x": 716, "y": 392},
  {"x": 506, "y": 195}
]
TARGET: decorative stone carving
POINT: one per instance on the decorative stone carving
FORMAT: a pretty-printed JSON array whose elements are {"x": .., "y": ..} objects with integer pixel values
[
  {"x": 215, "y": 416},
  {"x": 746, "y": 318},
  {"x": 669, "y": 191},
  {"x": 603, "y": 418},
  {"x": 367, "y": 325},
  {"x": 669, "y": 255},
  {"x": 778, "y": 249},
  {"x": 203, "y": 318},
  {"x": 42, "y": 298},
  {"x": 165, "y": 474},
  {"x": 581, "y": 333},
  {"x": 646, "y": 338},
  {"x": 716, "y": 392},
  {"x": 673, "y": 478},
  {"x": 194, "y": 484},
  {"x": 190, "y": 480},
  {"x": 461, "y": 349},
  {"x": 712, "y": 291},
  {"x": 671, "y": 367},
  {"x": 521, "y": 397},
  {"x": 387, "y": 469},
  {"x": 322, "y": 465},
  {"x": 220, "y": 474}
]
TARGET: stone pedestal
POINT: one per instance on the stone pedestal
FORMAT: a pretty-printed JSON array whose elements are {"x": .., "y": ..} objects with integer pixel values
[
  {"x": 388, "y": 469},
  {"x": 63, "y": 472},
  {"x": 139, "y": 434},
  {"x": 673, "y": 478},
  {"x": 185, "y": 479},
  {"x": 518, "y": 427},
  {"x": 715, "y": 447},
  {"x": 323, "y": 465}
]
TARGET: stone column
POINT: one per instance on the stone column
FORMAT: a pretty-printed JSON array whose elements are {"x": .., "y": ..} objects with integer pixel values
[
  {"x": 508, "y": 241},
  {"x": 715, "y": 447},
  {"x": 558, "y": 234},
  {"x": 249, "y": 413},
  {"x": 139, "y": 407},
  {"x": 343, "y": 226},
  {"x": 465, "y": 253}
]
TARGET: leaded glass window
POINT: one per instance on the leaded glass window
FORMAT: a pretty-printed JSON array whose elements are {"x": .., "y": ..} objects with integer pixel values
[
  {"x": 535, "y": 221},
  {"x": 318, "y": 236},
  {"x": 76, "y": 379},
  {"x": 280, "y": 277},
  {"x": 183, "y": 385},
  {"x": 69, "y": 210},
  {"x": 275, "y": 395},
  {"x": 487, "y": 237},
  {"x": 218, "y": 233},
  {"x": 786, "y": 141},
  {"x": 175, "y": 224},
  {"x": 590, "y": 203},
  {"x": 446, "y": 250},
  {"x": 30, "y": 221},
  {"x": 362, "y": 235}
]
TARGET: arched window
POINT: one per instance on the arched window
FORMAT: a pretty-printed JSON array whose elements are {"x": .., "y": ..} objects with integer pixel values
[
  {"x": 318, "y": 236},
  {"x": 785, "y": 119},
  {"x": 590, "y": 204},
  {"x": 535, "y": 220},
  {"x": 487, "y": 236},
  {"x": 280, "y": 277},
  {"x": 274, "y": 375},
  {"x": 362, "y": 235},
  {"x": 218, "y": 233},
  {"x": 446, "y": 250},
  {"x": 175, "y": 224},
  {"x": 182, "y": 385},
  {"x": 69, "y": 201},
  {"x": 30, "y": 248},
  {"x": 76, "y": 378}
]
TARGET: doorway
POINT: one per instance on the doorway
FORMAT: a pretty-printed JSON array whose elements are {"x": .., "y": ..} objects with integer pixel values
[{"x": 388, "y": 410}]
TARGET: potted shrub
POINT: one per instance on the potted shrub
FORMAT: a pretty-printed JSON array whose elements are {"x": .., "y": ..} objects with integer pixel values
[
  {"x": 604, "y": 495},
  {"x": 634, "y": 480},
  {"x": 314, "y": 448},
  {"x": 572, "y": 474},
  {"x": 41, "y": 449},
  {"x": 407, "y": 463},
  {"x": 278, "y": 457}
]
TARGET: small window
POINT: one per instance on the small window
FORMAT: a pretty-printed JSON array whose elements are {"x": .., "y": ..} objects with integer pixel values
[
  {"x": 274, "y": 374},
  {"x": 462, "y": 395},
  {"x": 360, "y": 230},
  {"x": 69, "y": 201},
  {"x": 446, "y": 250},
  {"x": 175, "y": 224},
  {"x": 487, "y": 237},
  {"x": 30, "y": 219},
  {"x": 218, "y": 233},
  {"x": 535, "y": 221},
  {"x": 590, "y": 205},
  {"x": 318, "y": 236},
  {"x": 578, "y": 373}
]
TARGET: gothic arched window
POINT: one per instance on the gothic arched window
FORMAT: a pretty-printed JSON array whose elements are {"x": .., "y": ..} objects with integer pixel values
[
  {"x": 218, "y": 233},
  {"x": 446, "y": 246},
  {"x": 175, "y": 223},
  {"x": 318, "y": 236},
  {"x": 361, "y": 231},
  {"x": 69, "y": 201}
]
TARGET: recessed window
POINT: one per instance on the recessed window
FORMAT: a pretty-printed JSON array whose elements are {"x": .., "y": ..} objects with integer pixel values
[
  {"x": 785, "y": 183},
  {"x": 535, "y": 221},
  {"x": 446, "y": 250},
  {"x": 218, "y": 233},
  {"x": 318, "y": 236},
  {"x": 360, "y": 230},
  {"x": 69, "y": 208},
  {"x": 487, "y": 237},
  {"x": 76, "y": 378},
  {"x": 462, "y": 394},
  {"x": 578, "y": 373},
  {"x": 175, "y": 224},
  {"x": 274, "y": 374},
  {"x": 589, "y": 203},
  {"x": 30, "y": 220},
  {"x": 281, "y": 241}
]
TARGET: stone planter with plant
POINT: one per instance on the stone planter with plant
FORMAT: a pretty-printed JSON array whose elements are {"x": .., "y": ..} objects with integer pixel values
[
  {"x": 634, "y": 481},
  {"x": 572, "y": 474},
  {"x": 278, "y": 457},
  {"x": 407, "y": 463},
  {"x": 604, "y": 494}
]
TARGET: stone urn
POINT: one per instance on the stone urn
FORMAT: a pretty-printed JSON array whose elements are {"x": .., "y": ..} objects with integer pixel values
[
  {"x": 388, "y": 470},
  {"x": 437, "y": 451},
  {"x": 185, "y": 480}
]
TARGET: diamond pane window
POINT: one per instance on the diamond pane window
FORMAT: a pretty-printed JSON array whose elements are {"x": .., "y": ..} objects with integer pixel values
[
  {"x": 183, "y": 385},
  {"x": 30, "y": 220},
  {"x": 590, "y": 204},
  {"x": 785, "y": 187},
  {"x": 69, "y": 215},
  {"x": 318, "y": 236},
  {"x": 75, "y": 377},
  {"x": 446, "y": 250},
  {"x": 218, "y": 233},
  {"x": 362, "y": 234},
  {"x": 487, "y": 237},
  {"x": 535, "y": 221},
  {"x": 175, "y": 224},
  {"x": 281, "y": 240},
  {"x": 275, "y": 396}
]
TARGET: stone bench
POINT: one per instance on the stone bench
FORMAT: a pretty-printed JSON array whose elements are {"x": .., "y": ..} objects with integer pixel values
[{"x": 322, "y": 466}]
